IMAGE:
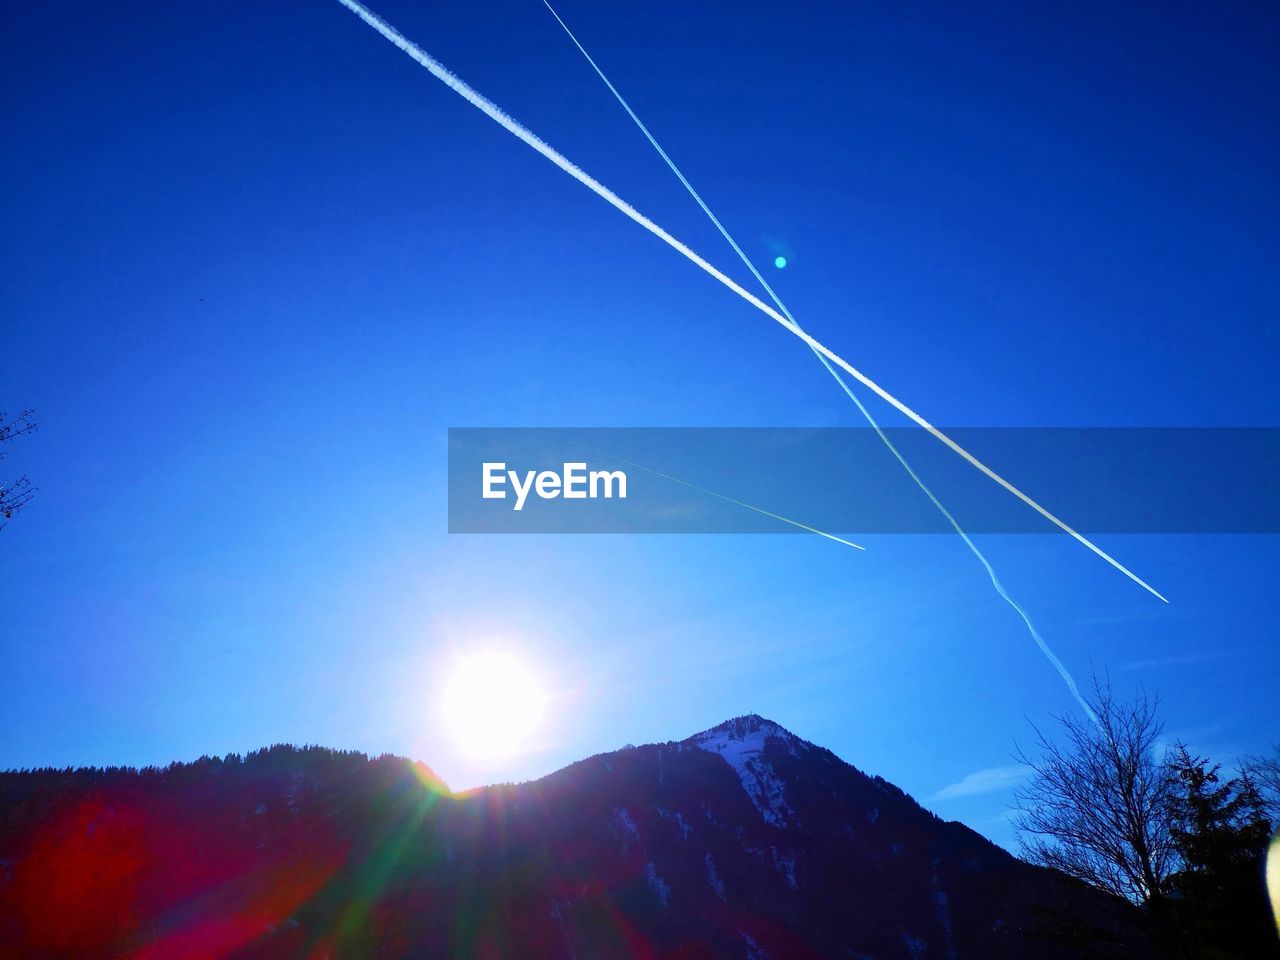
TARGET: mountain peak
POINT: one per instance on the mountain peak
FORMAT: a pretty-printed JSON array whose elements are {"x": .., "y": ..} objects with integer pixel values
[{"x": 749, "y": 726}]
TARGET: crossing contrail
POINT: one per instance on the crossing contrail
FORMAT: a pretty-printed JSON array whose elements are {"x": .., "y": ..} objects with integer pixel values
[
  {"x": 512, "y": 126},
  {"x": 750, "y": 264}
]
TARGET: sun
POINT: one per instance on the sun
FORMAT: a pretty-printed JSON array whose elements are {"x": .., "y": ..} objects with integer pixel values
[{"x": 492, "y": 704}]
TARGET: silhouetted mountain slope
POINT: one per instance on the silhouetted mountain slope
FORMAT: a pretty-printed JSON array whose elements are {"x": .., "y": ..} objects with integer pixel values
[{"x": 741, "y": 842}]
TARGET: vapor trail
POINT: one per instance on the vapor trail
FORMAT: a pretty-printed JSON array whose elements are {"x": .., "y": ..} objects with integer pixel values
[
  {"x": 721, "y": 496},
  {"x": 498, "y": 115},
  {"x": 995, "y": 580}
]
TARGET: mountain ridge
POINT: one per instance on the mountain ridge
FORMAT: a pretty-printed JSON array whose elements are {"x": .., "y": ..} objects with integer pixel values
[{"x": 743, "y": 841}]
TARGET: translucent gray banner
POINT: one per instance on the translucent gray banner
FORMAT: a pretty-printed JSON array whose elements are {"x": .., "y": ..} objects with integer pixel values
[{"x": 782, "y": 480}]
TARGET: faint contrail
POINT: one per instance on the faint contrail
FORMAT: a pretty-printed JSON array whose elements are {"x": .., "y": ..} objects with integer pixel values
[
  {"x": 720, "y": 496},
  {"x": 750, "y": 264},
  {"x": 497, "y": 114}
]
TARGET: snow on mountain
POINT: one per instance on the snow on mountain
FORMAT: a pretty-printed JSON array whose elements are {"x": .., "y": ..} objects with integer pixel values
[{"x": 741, "y": 744}]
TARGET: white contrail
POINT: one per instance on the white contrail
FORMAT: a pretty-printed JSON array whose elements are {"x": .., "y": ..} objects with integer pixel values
[
  {"x": 750, "y": 264},
  {"x": 496, "y": 113}
]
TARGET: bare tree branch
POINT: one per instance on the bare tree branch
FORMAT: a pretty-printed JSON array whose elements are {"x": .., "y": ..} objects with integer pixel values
[
  {"x": 1264, "y": 773},
  {"x": 1096, "y": 806},
  {"x": 15, "y": 494}
]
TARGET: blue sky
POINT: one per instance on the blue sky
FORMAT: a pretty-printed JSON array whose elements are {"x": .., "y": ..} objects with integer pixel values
[{"x": 256, "y": 262}]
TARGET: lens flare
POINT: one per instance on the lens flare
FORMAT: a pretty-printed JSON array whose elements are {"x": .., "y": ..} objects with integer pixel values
[
  {"x": 1273, "y": 878},
  {"x": 779, "y": 262},
  {"x": 492, "y": 704}
]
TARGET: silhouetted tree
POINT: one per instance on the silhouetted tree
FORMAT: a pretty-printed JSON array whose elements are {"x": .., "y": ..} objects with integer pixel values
[
  {"x": 1221, "y": 831},
  {"x": 1097, "y": 804},
  {"x": 14, "y": 494},
  {"x": 1264, "y": 772}
]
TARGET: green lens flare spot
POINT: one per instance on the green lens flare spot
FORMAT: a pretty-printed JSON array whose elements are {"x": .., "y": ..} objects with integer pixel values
[{"x": 779, "y": 262}]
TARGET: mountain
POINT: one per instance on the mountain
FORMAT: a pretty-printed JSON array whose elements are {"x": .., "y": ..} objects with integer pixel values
[{"x": 742, "y": 842}]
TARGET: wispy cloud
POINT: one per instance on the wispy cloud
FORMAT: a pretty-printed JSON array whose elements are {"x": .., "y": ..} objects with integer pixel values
[
  {"x": 1117, "y": 619},
  {"x": 1176, "y": 660},
  {"x": 990, "y": 780}
]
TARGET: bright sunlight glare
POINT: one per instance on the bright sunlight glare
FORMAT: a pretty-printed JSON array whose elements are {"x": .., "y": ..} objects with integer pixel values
[{"x": 492, "y": 704}]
